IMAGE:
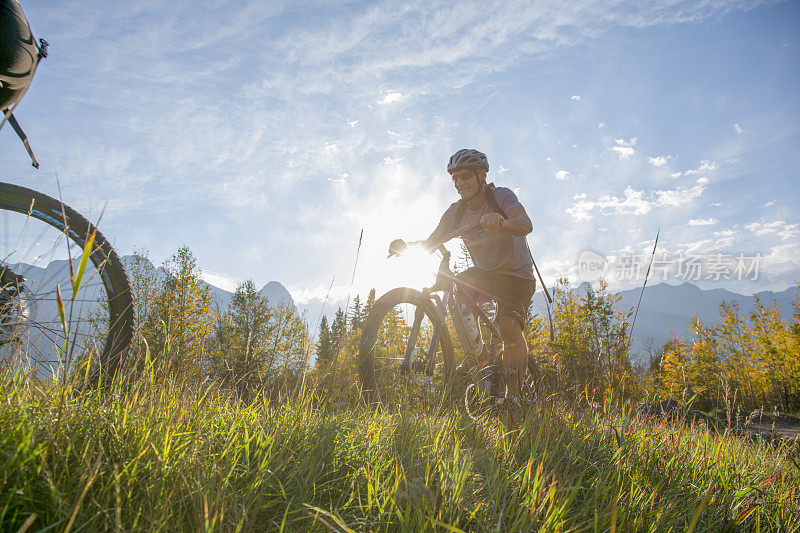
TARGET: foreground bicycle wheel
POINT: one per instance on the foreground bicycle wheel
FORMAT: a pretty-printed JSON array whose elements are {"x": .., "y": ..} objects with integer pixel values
[
  {"x": 479, "y": 401},
  {"x": 41, "y": 245},
  {"x": 403, "y": 321}
]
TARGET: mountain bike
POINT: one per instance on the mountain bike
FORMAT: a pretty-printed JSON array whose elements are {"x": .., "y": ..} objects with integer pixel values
[
  {"x": 406, "y": 353},
  {"x": 65, "y": 298}
]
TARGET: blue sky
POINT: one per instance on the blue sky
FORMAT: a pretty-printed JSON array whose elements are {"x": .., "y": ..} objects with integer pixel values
[{"x": 266, "y": 135}]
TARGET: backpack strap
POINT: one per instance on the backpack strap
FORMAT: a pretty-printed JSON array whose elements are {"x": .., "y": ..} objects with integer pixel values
[
  {"x": 490, "y": 198},
  {"x": 462, "y": 207},
  {"x": 493, "y": 201}
]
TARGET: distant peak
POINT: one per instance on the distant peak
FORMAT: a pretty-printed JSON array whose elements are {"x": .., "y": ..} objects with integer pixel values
[
  {"x": 585, "y": 287},
  {"x": 276, "y": 292}
]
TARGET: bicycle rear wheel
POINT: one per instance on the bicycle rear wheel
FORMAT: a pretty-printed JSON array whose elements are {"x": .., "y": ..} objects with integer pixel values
[
  {"x": 41, "y": 245},
  {"x": 400, "y": 328}
]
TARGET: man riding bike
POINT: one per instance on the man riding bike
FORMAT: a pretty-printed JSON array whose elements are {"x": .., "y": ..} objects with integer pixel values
[{"x": 503, "y": 268}]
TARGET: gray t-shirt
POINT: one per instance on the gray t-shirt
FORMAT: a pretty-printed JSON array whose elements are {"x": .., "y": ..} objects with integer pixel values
[{"x": 492, "y": 250}]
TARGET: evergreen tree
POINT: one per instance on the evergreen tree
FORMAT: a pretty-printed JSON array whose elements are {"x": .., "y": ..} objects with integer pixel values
[
  {"x": 356, "y": 318},
  {"x": 370, "y": 302},
  {"x": 339, "y": 325},
  {"x": 325, "y": 343}
]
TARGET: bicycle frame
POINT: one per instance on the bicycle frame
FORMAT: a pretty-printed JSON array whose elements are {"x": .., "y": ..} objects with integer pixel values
[{"x": 454, "y": 295}]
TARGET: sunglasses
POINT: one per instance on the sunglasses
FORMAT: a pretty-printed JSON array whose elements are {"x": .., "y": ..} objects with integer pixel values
[{"x": 462, "y": 176}]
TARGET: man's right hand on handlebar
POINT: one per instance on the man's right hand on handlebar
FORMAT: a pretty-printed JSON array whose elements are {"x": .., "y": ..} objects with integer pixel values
[{"x": 397, "y": 247}]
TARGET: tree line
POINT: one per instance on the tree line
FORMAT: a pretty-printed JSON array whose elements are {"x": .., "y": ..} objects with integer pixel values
[
  {"x": 581, "y": 343},
  {"x": 251, "y": 346}
]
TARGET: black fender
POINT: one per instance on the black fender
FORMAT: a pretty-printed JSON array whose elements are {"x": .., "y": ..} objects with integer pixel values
[{"x": 19, "y": 54}]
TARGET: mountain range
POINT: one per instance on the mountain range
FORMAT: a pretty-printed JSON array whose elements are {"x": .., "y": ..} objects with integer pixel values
[
  {"x": 665, "y": 308},
  {"x": 668, "y": 308},
  {"x": 274, "y": 291}
]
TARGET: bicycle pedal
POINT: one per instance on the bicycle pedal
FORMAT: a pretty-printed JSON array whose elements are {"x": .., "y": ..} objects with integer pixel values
[{"x": 418, "y": 366}]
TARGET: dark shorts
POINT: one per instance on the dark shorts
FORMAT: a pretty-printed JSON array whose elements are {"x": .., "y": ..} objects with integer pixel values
[{"x": 512, "y": 294}]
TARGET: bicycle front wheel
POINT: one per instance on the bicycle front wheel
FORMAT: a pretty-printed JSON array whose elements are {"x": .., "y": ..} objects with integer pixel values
[
  {"x": 406, "y": 353},
  {"x": 51, "y": 325}
]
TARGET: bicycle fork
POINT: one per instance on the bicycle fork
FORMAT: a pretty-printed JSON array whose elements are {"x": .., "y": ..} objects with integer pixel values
[{"x": 429, "y": 358}]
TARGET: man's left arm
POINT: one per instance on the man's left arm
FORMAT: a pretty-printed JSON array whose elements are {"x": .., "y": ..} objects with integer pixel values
[{"x": 517, "y": 222}]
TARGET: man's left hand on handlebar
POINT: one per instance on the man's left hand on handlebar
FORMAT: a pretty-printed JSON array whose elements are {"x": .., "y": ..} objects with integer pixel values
[{"x": 492, "y": 221}]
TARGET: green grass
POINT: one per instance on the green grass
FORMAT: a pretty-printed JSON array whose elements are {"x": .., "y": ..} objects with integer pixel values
[{"x": 169, "y": 458}]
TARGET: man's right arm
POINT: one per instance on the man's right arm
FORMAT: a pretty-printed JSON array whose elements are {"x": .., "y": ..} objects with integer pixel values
[
  {"x": 432, "y": 242},
  {"x": 442, "y": 230}
]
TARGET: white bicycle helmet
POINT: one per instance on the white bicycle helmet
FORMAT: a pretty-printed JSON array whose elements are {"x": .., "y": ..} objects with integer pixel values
[{"x": 467, "y": 158}]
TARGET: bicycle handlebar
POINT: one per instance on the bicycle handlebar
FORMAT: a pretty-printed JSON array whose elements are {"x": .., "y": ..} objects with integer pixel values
[{"x": 461, "y": 232}]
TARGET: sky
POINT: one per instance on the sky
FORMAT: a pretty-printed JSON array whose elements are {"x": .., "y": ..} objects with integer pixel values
[{"x": 266, "y": 136}]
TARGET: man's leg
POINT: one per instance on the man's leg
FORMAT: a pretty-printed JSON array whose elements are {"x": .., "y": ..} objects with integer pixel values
[
  {"x": 515, "y": 352},
  {"x": 513, "y": 299}
]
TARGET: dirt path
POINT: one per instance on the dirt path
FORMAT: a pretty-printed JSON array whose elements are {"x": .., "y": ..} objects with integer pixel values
[{"x": 784, "y": 428}]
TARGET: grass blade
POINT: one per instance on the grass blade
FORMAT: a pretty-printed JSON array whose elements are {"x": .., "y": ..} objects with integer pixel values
[{"x": 87, "y": 251}]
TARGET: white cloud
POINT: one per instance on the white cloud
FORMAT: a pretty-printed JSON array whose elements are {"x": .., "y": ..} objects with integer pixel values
[
  {"x": 676, "y": 175},
  {"x": 658, "y": 161},
  {"x": 782, "y": 260},
  {"x": 716, "y": 204},
  {"x": 738, "y": 129},
  {"x": 705, "y": 166},
  {"x": 624, "y": 149},
  {"x": 782, "y": 229},
  {"x": 295, "y": 85},
  {"x": 703, "y": 221},
  {"x": 501, "y": 169},
  {"x": 547, "y": 158},
  {"x": 634, "y": 201},
  {"x": 390, "y": 96},
  {"x": 223, "y": 281},
  {"x": 724, "y": 238},
  {"x": 702, "y": 180},
  {"x": 771, "y": 203},
  {"x": 679, "y": 196},
  {"x": 320, "y": 292},
  {"x": 340, "y": 179},
  {"x": 624, "y": 152},
  {"x": 576, "y": 97},
  {"x": 601, "y": 124},
  {"x": 700, "y": 247},
  {"x": 562, "y": 175}
]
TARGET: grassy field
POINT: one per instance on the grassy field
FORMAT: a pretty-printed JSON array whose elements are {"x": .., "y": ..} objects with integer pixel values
[{"x": 164, "y": 457}]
